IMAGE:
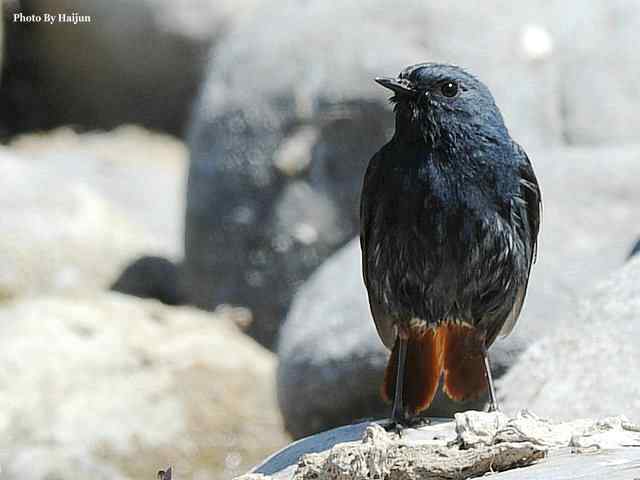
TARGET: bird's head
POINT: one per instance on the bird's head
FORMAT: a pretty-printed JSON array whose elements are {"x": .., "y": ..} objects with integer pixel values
[{"x": 439, "y": 103}]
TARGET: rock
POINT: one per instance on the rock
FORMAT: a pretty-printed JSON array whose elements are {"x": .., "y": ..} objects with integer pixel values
[
  {"x": 22, "y": 104},
  {"x": 599, "y": 103},
  {"x": 116, "y": 387},
  {"x": 137, "y": 62},
  {"x": 635, "y": 250},
  {"x": 586, "y": 359},
  {"x": 283, "y": 157},
  {"x": 165, "y": 474},
  {"x": 1, "y": 41},
  {"x": 331, "y": 361},
  {"x": 267, "y": 231},
  {"x": 140, "y": 172},
  {"x": 57, "y": 234},
  {"x": 590, "y": 217},
  {"x": 509, "y": 448},
  {"x": 151, "y": 277}
]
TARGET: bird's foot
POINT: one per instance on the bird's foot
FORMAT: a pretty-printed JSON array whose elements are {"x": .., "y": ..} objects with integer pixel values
[
  {"x": 401, "y": 424},
  {"x": 418, "y": 422},
  {"x": 394, "y": 427}
]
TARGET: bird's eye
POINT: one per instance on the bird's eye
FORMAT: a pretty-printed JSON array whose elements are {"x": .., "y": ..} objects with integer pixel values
[{"x": 449, "y": 89}]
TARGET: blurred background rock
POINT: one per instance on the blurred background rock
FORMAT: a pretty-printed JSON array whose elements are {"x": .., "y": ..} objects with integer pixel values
[
  {"x": 88, "y": 74},
  {"x": 210, "y": 153},
  {"x": 108, "y": 386}
]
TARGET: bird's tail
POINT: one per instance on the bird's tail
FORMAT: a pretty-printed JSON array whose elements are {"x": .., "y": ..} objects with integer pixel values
[
  {"x": 464, "y": 376},
  {"x": 453, "y": 349},
  {"x": 422, "y": 369}
]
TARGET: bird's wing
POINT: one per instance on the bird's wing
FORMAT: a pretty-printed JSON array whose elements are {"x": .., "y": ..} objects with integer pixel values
[
  {"x": 527, "y": 210},
  {"x": 530, "y": 193},
  {"x": 383, "y": 323},
  {"x": 369, "y": 188}
]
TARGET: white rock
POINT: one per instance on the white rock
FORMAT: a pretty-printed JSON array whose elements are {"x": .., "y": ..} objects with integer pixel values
[
  {"x": 58, "y": 235},
  {"x": 114, "y": 387},
  {"x": 441, "y": 450},
  {"x": 140, "y": 172},
  {"x": 585, "y": 366}
]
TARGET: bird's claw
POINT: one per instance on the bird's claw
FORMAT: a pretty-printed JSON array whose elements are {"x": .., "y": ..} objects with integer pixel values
[
  {"x": 394, "y": 427},
  {"x": 399, "y": 425}
]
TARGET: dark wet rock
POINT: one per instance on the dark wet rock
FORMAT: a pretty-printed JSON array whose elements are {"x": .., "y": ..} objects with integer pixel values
[{"x": 151, "y": 277}]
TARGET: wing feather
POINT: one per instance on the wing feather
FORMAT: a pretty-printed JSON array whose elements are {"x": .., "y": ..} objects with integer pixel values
[
  {"x": 526, "y": 214},
  {"x": 383, "y": 322}
]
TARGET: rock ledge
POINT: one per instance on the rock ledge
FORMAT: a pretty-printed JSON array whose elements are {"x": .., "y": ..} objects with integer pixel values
[{"x": 473, "y": 444}]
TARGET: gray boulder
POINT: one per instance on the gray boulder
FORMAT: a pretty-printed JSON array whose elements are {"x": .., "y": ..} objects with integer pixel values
[
  {"x": 588, "y": 366},
  {"x": 135, "y": 62},
  {"x": 1, "y": 42},
  {"x": 599, "y": 61},
  {"x": 331, "y": 360},
  {"x": 289, "y": 116},
  {"x": 590, "y": 217},
  {"x": 22, "y": 105}
]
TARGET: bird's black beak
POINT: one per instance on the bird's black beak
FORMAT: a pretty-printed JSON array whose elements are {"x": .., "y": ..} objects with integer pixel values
[{"x": 397, "y": 85}]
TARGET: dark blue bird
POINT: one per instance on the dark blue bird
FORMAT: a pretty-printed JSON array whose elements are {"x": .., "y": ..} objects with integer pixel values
[{"x": 450, "y": 212}]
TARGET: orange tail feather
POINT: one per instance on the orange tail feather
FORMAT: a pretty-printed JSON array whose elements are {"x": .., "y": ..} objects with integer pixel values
[
  {"x": 464, "y": 376},
  {"x": 390, "y": 374},
  {"x": 422, "y": 370}
]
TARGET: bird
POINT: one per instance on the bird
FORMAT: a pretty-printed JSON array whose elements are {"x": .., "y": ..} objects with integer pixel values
[{"x": 450, "y": 212}]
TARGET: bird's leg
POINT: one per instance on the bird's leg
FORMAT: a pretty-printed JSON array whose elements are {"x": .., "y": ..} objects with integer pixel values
[
  {"x": 493, "y": 401},
  {"x": 400, "y": 418},
  {"x": 398, "y": 414}
]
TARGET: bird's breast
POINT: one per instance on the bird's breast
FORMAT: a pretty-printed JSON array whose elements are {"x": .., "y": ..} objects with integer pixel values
[{"x": 435, "y": 248}]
